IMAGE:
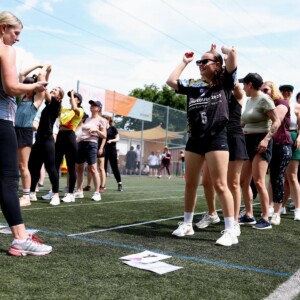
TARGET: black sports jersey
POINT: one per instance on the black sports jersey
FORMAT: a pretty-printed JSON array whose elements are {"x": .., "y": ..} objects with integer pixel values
[
  {"x": 207, "y": 107},
  {"x": 235, "y": 109}
]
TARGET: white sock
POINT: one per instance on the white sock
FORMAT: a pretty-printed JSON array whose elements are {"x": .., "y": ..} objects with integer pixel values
[
  {"x": 19, "y": 241},
  {"x": 188, "y": 217},
  {"x": 229, "y": 223}
]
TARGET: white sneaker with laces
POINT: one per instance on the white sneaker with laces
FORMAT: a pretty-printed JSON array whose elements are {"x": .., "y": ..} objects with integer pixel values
[
  {"x": 184, "y": 229},
  {"x": 48, "y": 196},
  {"x": 208, "y": 220},
  {"x": 68, "y": 198},
  {"x": 237, "y": 229},
  {"x": 78, "y": 194},
  {"x": 33, "y": 197},
  {"x": 96, "y": 196},
  {"x": 55, "y": 200},
  {"x": 297, "y": 214},
  {"x": 283, "y": 211},
  {"x": 275, "y": 219},
  {"x": 227, "y": 239}
]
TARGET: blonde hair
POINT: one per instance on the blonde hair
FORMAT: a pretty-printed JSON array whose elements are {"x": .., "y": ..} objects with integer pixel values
[
  {"x": 61, "y": 92},
  {"x": 275, "y": 92},
  {"x": 10, "y": 19}
]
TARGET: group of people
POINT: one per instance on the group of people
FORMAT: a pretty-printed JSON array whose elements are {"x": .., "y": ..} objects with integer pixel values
[{"x": 234, "y": 147}]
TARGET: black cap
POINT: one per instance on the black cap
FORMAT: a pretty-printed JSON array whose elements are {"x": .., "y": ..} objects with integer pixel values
[
  {"x": 255, "y": 78},
  {"x": 286, "y": 87},
  {"x": 96, "y": 103},
  {"x": 76, "y": 95}
]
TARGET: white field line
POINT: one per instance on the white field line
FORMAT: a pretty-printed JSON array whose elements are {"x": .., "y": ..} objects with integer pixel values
[
  {"x": 288, "y": 290},
  {"x": 102, "y": 203}
]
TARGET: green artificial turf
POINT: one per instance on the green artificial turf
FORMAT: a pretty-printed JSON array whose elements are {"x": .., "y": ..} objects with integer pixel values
[{"x": 87, "y": 266}]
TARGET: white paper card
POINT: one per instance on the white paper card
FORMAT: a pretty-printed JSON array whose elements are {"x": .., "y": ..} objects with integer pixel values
[
  {"x": 145, "y": 257},
  {"x": 156, "y": 267}
]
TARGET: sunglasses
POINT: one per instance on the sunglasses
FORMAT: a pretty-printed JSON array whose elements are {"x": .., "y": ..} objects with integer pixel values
[
  {"x": 265, "y": 90},
  {"x": 203, "y": 61}
]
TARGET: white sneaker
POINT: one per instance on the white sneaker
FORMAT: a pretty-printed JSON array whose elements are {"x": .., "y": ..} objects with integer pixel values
[
  {"x": 184, "y": 229},
  {"x": 55, "y": 200},
  {"x": 33, "y": 197},
  {"x": 237, "y": 229},
  {"x": 48, "y": 196},
  {"x": 24, "y": 201},
  {"x": 78, "y": 194},
  {"x": 283, "y": 211},
  {"x": 227, "y": 239},
  {"x": 270, "y": 212},
  {"x": 96, "y": 196},
  {"x": 275, "y": 219},
  {"x": 297, "y": 214},
  {"x": 68, "y": 198},
  {"x": 208, "y": 220}
]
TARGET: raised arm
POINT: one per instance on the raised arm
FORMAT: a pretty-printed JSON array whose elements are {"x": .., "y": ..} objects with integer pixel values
[
  {"x": 25, "y": 72},
  {"x": 230, "y": 61},
  {"x": 11, "y": 85},
  {"x": 174, "y": 76},
  {"x": 74, "y": 105}
]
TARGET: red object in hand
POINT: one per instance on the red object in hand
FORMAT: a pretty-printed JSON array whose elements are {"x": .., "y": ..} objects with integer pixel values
[{"x": 189, "y": 54}]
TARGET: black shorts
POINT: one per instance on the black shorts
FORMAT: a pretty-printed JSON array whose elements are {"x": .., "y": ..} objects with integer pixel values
[
  {"x": 237, "y": 147},
  {"x": 252, "y": 142},
  {"x": 217, "y": 142},
  {"x": 87, "y": 152},
  {"x": 102, "y": 154},
  {"x": 24, "y": 136}
]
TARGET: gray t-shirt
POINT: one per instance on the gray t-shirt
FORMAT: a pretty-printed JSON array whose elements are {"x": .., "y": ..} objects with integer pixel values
[{"x": 254, "y": 117}]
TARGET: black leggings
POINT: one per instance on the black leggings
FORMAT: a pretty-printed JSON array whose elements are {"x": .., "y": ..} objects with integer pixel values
[
  {"x": 9, "y": 174},
  {"x": 66, "y": 145},
  {"x": 111, "y": 156},
  {"x": 43, "y": 151}
]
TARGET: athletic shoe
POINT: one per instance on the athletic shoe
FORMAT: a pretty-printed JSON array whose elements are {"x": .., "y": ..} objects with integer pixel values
[
  {"x": 262, "y": 224},
  {"x": 68, "y": 198},
  {"x": 78, "y": 194},
  {"x": 208, "y": 220},
  {"x": 227, "y": 239},
  {"x": 275, "y": 219},
  {"x": 87, "y": 188},
  {"x": 245, "y": 220},
  {"x": 297, "y": 214},
  {"x": 96, "y": 196},
  {"x": 48, "y": 196},
  {"x": 291, "y": 207},
  {"x": 237, "y": 229},
  {"x": 242, "y": 213},
  {"x": 270, "y": 212},
  {"x": 33, "y": 197},
  {"x": 32, "y": 246},
  {"x": 55, "y": 200},
  {"x": 102, "y": 189},
  {"x": 24, "y": 201},
  {"x": 184, "y": 229},
  {"x": 283, "y": 211},
  {"x": 120, "y": 187},
  {"x": 39, "y": 187}
]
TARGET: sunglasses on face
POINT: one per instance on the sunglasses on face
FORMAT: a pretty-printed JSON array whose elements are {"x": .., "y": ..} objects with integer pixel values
[
  {"x": 203, "y": 61},
  {"x": 265, "y": 90}
]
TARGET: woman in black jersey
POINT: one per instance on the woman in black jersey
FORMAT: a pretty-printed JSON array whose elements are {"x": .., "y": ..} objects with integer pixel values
[
  {"x": 112, "y": 137},
  {"x": 43, "y": 150},
  {"x": 207, "y": 113}
]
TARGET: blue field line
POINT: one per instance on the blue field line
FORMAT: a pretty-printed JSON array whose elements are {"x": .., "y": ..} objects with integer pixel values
[{"x": 198, "y": 259}]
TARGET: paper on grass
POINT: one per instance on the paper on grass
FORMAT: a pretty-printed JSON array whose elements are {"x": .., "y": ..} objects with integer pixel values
[
  {"x": 158, "y": 267},
  {"x": 8, "y": 231},
  {"x": 145, "y": 257}
]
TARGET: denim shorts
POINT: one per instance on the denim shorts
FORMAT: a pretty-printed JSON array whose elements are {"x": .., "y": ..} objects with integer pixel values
[
  {"x": 87, "y": 152},
  {"x": 217, "y": 142}
]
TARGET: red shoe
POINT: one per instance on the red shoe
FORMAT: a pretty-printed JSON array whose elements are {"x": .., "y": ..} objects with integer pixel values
[{"x": 102, "y": 189}]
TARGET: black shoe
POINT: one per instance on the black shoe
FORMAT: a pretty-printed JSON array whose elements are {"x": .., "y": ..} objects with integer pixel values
[
  {"x": 87, "y": 188},
  {"x": 120, "y": 188}
]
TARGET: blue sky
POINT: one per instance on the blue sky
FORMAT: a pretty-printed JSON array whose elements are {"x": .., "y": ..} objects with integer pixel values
[{"x": 123, "y": 44}]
